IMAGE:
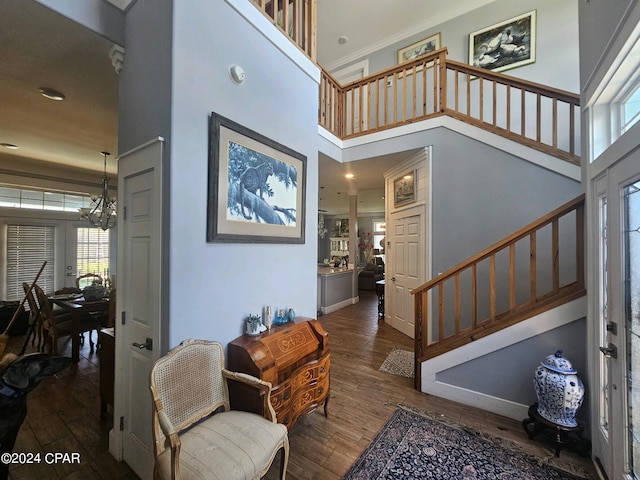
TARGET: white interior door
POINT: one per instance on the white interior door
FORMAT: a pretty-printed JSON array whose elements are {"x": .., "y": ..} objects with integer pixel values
[
  {"x": 616, "y": 444},
  {"x": 406, "y": 271},
  {"x": 139, "y": 266}
]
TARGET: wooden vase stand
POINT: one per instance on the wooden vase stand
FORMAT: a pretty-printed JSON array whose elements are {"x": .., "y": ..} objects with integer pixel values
[{"x": 561, "y": 435}]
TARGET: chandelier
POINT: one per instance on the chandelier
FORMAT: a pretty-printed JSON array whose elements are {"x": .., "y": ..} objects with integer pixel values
[{"x": 102, "y": 212}]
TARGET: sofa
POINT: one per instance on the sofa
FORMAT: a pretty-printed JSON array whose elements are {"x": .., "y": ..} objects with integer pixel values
[{"x": 372, "y": 273}]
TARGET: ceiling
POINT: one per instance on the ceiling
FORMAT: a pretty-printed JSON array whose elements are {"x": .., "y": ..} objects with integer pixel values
[{"x": 41, "y": 48}]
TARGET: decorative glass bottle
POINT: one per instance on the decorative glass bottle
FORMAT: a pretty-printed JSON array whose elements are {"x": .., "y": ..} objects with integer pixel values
[{"x": 559, "y": 390}]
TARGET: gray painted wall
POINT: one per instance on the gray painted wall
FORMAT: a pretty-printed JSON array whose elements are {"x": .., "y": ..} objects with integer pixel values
[
  {"x": 508, "y": 373},
  {"x": 482, "y": 194},
  {"x": 176, "y": 75},
  {"x": 557, "y": 40}
]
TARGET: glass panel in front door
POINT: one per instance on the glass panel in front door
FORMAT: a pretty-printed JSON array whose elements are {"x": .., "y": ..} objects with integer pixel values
[
  {"x": 603, "y": 421},
  {"x": 632, "y": 314}
]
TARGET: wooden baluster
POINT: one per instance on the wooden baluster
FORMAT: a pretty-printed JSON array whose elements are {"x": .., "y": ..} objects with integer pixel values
[
  {"x": 456, "y": 90},
  {"x": 457, "y": 302},
  {"x": 572, "y": 126},
  {"x": 494, "y": 104},
  {"x": 555, "y": 252},
  {"x": 442, "y": 69},
  {"x": 394, "y": 102},
  {"x": 351, "y": 125},
  {"x": 554, "y": 123},
  {"x": 440, "y": 312},
  {"x": 424, "y": 90},
  {"x": 533, "y": 272},
  {"x": 512, "y": 276},
  {"x": 414, "y": 90},
  {"x": 481, "y": 99},
  {"x": 404, "y": 96},
  {"x": 523, "y": 113},
  {"x": 509, "y": 108},
  {"x": 468, "y": 112},
  {"x": 538, "y": 118},
  {"x": 377, "y": 103},
  {"x": 492, "y": 287},
  {"x": 474, "y": 296}
]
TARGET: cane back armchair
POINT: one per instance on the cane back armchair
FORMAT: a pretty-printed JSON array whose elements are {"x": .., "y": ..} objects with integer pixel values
[{"x": 196, "y": 434}]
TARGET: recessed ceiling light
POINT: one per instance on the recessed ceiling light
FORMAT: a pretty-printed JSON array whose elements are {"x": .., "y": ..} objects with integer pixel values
[
  {"x": 51, "y": 93},
  {"x": 343, "y": 39},
  {"x": 10, "y": 146},
  {"x": 349, "y": 175}
]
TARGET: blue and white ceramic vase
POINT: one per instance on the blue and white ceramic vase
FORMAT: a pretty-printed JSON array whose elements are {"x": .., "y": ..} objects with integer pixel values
[{"x": 559, "y": 390}]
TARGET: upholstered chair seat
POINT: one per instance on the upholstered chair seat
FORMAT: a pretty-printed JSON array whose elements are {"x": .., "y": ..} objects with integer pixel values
[{"x": 196, "y": 434}]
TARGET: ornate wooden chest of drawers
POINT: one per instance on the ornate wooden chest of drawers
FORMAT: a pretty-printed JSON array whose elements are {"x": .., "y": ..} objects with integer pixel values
[{"x": 295, "y": 358}]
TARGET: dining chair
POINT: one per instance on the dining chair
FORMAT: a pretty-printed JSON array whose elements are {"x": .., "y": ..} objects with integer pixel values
[
  {"x": 35, "y": 316},
  {"x": 88, "y": 279},
  {"x": 187, "y": 386},
  {"x": 53, "y": 327}
]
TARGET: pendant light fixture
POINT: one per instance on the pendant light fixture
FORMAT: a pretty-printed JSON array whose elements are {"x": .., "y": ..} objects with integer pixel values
[{"x": 102, "y": 212}]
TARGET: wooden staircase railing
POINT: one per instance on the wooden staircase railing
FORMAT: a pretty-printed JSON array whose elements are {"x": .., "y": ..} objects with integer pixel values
[
  {"x": 296, "y": 19},
  {"x": 540, "y": 117},
  {"x": 537, "y": 268}
]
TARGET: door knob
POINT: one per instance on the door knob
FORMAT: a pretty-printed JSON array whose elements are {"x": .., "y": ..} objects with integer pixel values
[
  {"x": 148, "y": 344},
  {"x": 610, "y": 352}
]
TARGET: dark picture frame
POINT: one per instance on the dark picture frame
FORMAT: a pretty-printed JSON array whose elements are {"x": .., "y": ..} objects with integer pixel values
[
  {"x": 257, "y": 187},
  {"x": 404, "y": 189},
  {"x": 505, "y": 45}
]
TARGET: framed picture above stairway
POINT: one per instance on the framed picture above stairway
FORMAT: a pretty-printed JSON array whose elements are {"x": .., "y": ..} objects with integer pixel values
[{"x": 504, "y": 45}]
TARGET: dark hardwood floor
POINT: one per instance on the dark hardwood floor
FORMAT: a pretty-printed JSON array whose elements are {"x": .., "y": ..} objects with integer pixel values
[{"x": 63, "y": 411}]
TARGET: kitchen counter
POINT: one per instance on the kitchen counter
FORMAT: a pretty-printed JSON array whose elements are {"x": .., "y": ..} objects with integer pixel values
[{"x": 335, "y": 288}]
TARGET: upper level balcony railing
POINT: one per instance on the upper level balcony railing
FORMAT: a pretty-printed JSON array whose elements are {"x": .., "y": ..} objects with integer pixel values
[
  {"x": 296, "y": 19},
  {"x": 540, "y": 117},
  {"x": 535, "y": 115}
]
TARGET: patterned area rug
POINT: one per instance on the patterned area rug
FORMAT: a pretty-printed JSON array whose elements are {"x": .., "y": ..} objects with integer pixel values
[
  {"x": 398, "y": 362},
  {"x": 413, "y": 446}
]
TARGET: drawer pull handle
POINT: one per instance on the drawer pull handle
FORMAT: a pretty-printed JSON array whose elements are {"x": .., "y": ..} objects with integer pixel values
[
  {"x": 322, "y": 370},
  {"x": 320, "y": 390},
  {"x": 287, "y": 395}
]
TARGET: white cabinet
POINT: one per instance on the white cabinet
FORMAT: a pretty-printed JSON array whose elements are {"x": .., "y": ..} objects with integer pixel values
[{"x": 339, "y": 246}]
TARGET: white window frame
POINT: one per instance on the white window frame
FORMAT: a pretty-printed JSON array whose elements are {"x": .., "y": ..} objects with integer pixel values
[{"x": 96, "y": 249}]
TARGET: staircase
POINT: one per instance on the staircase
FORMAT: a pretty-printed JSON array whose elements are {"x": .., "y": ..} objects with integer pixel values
[
  {"x": 502, "y": 297},
  {"x": 531, "y": 281}
]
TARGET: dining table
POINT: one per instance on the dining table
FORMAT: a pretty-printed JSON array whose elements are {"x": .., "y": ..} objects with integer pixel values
[{"x": 82, "y": 319}]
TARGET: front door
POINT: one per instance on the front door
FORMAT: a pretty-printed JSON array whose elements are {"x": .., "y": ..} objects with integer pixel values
[
  {"x": 139, "y": 281},
  {"x": 616, "y": 445},
  {"x": 406, "y": 271}
]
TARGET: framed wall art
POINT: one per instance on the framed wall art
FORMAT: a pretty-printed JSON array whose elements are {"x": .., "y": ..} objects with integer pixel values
[
  {"x": 404, "y": 189},
  {"x": 420, "y": 48},
  {"x": 508, "y": 44},
  {"x": 256, "y": 187}
]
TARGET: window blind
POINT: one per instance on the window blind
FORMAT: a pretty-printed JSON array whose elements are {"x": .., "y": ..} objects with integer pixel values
[{"x": 28, "y": 246}]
